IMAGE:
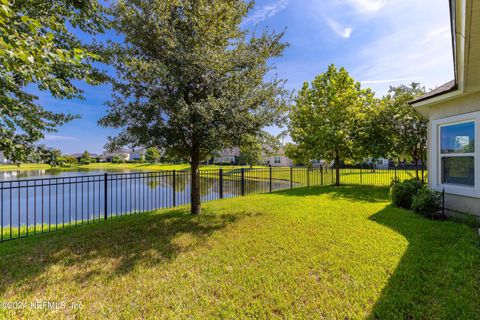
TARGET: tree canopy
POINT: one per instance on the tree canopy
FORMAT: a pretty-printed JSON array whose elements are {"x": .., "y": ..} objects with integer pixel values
[
  {"x": 85, "y": 158},
  {"x": 189, "y": 80},
  {"x": 326, "y": 115},
  {"x": 152, "y": 155},
  {"x": 409, "y": 128},
  {"x": 38, "y": 50}
]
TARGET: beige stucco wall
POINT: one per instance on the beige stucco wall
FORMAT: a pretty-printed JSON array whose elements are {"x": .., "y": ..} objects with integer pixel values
[
  {"x": 284, "y": 162},
  {"x": 462, "y": 204},
  {"x": 461, "y": 105}
]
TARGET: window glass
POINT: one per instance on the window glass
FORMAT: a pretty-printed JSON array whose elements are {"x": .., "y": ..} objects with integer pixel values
[
  {"x": 458, "y": 138},
  {"x": 458, "y": 170}
]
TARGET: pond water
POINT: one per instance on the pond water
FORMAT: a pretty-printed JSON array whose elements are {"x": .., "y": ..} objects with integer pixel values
[
  {"x": 48, "y": 199},
  {"x": 53, "y": 173}
]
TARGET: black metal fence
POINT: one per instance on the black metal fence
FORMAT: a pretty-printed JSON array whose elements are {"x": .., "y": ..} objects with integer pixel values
[{"x": 29, "y": 207}]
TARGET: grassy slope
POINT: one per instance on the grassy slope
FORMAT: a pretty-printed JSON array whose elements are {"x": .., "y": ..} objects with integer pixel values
[
  {"x": 307, "y": 253},
  {"x": 347, "y": 176},
  {"x": 27, "y": 166}
]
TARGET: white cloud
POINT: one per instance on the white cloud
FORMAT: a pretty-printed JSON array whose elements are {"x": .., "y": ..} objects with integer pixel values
[
  {"x": 266, "y": 11},
  {"x": 438, "y": 33},
  {"x": 367, "y": 6},
  {"x": 406, "y": 56},
  {"x": 344, "y": 32},
  {"x": 357, "y": 11},
  {"x": 415, "y": 46},
  {"x": 405, "y": 41},
  {"x": 52, "y": 137}
]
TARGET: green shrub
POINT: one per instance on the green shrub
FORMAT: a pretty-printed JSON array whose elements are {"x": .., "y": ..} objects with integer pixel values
[
  {"x": 427, "y": 202},
  {"x": 402, "y": 193}
]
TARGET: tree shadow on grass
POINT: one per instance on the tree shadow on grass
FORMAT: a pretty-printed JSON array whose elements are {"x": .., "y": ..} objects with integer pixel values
[
  {"x": 361, "y": 193},
  {"x": 110, "y": 248},
  {"x": 438, "y": 277}
]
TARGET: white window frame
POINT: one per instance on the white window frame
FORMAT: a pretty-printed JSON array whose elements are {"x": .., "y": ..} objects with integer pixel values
[{"x": 436, "y": 156}]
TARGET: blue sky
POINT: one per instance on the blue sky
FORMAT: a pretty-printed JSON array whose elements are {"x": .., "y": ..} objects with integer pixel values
[{"x": 380, "y": 42}]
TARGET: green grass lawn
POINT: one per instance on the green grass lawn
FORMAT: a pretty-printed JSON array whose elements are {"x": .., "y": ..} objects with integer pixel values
[
  {"x": 314, "y": 176},
  {"x": 324, "y": 252},
  {"x": 26, "y": 166}
]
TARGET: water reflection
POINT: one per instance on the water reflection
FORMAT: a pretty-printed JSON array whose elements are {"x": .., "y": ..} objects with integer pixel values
[
  {"x": 69, "y": 198},
  {"x": 51, "y": 173}
]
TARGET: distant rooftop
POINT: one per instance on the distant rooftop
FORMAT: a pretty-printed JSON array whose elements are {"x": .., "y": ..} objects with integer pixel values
[{"x": 444, "y": 88}]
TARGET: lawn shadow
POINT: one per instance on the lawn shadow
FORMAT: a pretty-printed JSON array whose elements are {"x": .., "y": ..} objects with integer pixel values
[
  {"x": 123, "y": 243},
  {"x": 361, "y": 193},
  {"x": 437, "y": 277}
]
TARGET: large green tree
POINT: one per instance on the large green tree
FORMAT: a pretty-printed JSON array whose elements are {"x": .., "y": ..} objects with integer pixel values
[
  {"x": 325, "y": 119},
  {"x": 38, "y": 50},
  {"x": 190, "y": 80},
  {"x": 297, "y": 155},
  {"x": 152, "y": 155},
  {"x": 52, "y": 157},
  {"x": 85, "y": 158},
  {"x": 393, "y": 128},
  {"x": 409, "y": 127}
]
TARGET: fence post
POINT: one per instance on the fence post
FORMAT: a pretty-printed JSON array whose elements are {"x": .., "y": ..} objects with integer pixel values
[
  {"x": 291, "y": 177},
  {"x": 220, "y": 177},
  {"x": 321, "y": 175},
  {"x": 270, "y": 179},
  {"x": 331, "y": 170},
  {"x": 361, "y": 177},
  {"x": 243, "y": 180},
  {"x": 395, "y": 166},
  {"x": 308, "y": 176},
  {"x": 174, "y": 181},
  {"x": 105, "y": 196}
]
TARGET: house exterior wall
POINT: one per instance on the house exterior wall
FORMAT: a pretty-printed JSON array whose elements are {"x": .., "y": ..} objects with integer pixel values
[
  {"x": 463, "y": 105},
  {"x": 2, "y": 158},
  {"x": 108, "y": 156},
  {"x": 225, "y": 160},
  {"x": 227, "y": 156},
  {"x": 278, "y": 161},
  {"x": 137, "y": 154}
]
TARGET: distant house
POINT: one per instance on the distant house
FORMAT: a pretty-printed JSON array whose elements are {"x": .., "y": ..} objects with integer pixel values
[
  {"x": 379, "y": 163},
  {"x": 78, "y": 156},
  {"x": 227, "y": 156},
  {"x": 124, "y": 155},
  {"x": 3, "y": 160},
  {"x": 136, "y": 154},
  {"x": 453, "y": 110},
  {"x": 278, "y": 159}
]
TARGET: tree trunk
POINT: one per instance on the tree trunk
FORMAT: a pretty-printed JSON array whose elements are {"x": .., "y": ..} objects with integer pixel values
[
  {"x": 337, "y": 171},
  {"x": 195, "y": 184},
  {"x": 416, "y": 168},
  {"x": 423, "y": 169}
]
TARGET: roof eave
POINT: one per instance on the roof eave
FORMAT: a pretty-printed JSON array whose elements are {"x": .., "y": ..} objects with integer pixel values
[{"x": 454, "y": 90}]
